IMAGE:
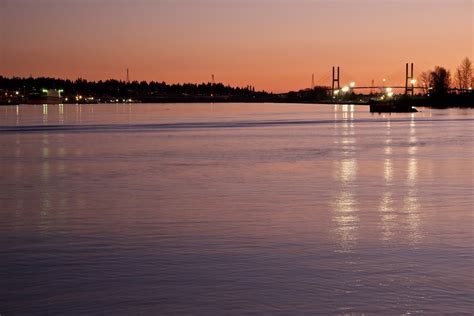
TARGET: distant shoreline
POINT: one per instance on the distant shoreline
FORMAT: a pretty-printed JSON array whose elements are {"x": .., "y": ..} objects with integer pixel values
[
  {"x": 217, "y": 101},
  {"x": 53, "y": 91}
]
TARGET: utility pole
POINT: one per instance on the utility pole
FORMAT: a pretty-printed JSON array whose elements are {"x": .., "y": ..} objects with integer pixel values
[
  {"x": 312, "y": 82},
  {"x": 128, "y": 76}
]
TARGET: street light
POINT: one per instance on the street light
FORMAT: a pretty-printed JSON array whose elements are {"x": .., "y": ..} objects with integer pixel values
[
  {"x": 345, "y": 89},
  {"x": 413, "y": 81},
  {"x": 352, "y": 84}
]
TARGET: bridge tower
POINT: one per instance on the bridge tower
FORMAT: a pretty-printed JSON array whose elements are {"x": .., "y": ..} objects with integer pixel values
[
  {"x": 409, "y": 80},
  {"x": 335, "y": 80}
]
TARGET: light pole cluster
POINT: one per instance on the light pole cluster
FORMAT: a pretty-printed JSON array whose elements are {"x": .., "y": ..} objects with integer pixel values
[{"x": 344, "y": 89}]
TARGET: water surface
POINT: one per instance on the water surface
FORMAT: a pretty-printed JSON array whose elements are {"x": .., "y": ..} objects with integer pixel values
[{"x": 235, "y": 208}]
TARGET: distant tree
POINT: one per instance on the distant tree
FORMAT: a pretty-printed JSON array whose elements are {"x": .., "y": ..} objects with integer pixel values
[
  {"x": 425, "y": 80},
  {"x": 440, "y": 81},
  {"x": 464, "y": 74}
]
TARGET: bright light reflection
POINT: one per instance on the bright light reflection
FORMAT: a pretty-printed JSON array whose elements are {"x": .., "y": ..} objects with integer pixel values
[
  {"x": 388, "y": 216},
  {"x": 411, "y": 200},
  {"x": 348, "y": 170},
  {"x": 412, "y": 171},
  {"x": 61, "y": 113},
  {"x": 45, "y": 113},
  {"x": 345, "y": 212},
  {"x": 346, "y": 220},
  {"x": 388, "y": 170}
]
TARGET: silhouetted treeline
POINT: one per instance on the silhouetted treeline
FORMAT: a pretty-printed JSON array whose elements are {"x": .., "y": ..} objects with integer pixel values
[
  {"x": 115, "y": 90},
  {"x": 307, "y": 95},
  {"x": 120, "y": 89},
  {"x": 19, "y": 90}
]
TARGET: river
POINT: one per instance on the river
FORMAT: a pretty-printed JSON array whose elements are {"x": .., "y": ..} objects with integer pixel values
[{"x": 235, "y": 208}]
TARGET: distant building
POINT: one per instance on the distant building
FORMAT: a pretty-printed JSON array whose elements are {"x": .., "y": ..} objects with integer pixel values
[{"x": 51, "y": 96}]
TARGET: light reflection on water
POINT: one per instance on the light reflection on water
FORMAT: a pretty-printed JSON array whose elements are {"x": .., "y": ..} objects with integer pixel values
[
  {"x": 61, "y": 113},
  {"x": 388, "y": 213},
  {"x": 253, "y": 209},
  {"x": 345, "y": 211},
  {"x": 411, "y": 200}
]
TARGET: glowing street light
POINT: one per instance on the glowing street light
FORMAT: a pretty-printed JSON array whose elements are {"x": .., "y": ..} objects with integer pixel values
[
  {"x": 336, "y": 92},
  {"x": 345, "y": 89},
  {"x": 352, "y": 84},
  {"x": 390, "y": 94},
  {"x": 388, "y": 90},
  {"x": 413, "y": 81}
]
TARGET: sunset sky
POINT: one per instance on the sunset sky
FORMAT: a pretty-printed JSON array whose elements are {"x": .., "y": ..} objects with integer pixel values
[{"x": 272, "y": 44}]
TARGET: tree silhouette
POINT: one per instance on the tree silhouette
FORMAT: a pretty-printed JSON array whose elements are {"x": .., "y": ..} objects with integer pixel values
[
  {"x": 440, "y": 81},
  {"x": 464, "y": 74},
  {"x": 425, "y": 80}
]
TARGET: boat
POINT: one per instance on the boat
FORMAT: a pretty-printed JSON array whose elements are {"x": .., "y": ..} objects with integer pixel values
[{"x": 377, "y": 106}]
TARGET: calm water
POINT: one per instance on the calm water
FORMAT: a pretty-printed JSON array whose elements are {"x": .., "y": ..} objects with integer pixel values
[{"x": 235, "y": 208}]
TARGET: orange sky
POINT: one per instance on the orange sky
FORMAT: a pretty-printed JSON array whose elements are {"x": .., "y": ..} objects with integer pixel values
[{"x": 272, "y": 44}]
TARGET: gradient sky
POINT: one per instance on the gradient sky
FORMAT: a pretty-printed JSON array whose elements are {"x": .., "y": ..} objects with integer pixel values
[{"x": 272, "y": 44}]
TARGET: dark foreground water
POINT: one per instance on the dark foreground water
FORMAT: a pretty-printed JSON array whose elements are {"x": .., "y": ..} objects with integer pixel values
[{"x": 235, "y": 208}]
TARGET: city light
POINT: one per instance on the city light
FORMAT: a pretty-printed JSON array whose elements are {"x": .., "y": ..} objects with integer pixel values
[
  {"x": 413, "y": 81},
  {"x": 345, "y": 89},
  {"x": 336, "y": 92},
  {"x": 388, "y": 90},
  {"x": 390, "y": 94},
  {"x": 352, "y": 84}
]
